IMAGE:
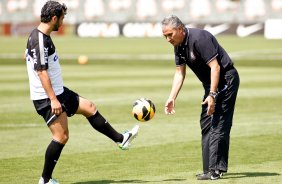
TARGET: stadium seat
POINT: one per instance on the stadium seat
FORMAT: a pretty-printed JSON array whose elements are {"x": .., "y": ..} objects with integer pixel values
[
  {"x": 200, "y": 8},
  {"x": 37, "y": 5},
  {"x": 146, "y": 8},
  {"x": 254, "y": 9},
  {"x": 119, "y": 5},
  {"x": 170, "y": 5},
  {"x": 93, "y": 9},
  {"x": 226, "y": 5},
  {"x": 276, "y": 5},
  {"x": 16, "y": 5}
]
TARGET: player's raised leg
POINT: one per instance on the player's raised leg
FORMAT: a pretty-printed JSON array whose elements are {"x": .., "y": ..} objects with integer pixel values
[{"x": 98, "y": 122}]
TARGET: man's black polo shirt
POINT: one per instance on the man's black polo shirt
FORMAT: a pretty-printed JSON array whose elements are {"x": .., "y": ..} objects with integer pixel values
[{"x": 198, "y": 48}]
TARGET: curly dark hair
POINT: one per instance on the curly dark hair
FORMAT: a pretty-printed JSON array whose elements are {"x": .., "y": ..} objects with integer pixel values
[{"x": 52, "y": 8}]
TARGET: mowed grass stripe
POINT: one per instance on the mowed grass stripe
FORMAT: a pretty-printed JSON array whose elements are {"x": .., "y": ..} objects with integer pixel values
[
  {"x": 168, "y": 161},
  {"x": 161, "y": 130}
]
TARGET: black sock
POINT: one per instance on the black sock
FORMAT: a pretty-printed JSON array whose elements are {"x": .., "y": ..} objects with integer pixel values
[
  {"x": 52, "y": 155},
  {"x": 99, "y": 123}
]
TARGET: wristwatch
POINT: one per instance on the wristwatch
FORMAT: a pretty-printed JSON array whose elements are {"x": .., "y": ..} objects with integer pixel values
[{"x": 213, "y": 94}]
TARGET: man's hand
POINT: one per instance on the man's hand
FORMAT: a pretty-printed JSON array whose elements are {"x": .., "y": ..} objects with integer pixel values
[
  {"x": 56, "y": 107},
  {"x": 211, "y": 105},
  {"x": 169, "y": 107}
]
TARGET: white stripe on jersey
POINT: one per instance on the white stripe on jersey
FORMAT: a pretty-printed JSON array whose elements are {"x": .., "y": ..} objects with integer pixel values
[{"x": 41, "y": 48}]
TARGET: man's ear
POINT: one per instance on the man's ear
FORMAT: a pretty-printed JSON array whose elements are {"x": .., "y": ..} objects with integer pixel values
[
  {"x": 54, "y": 18},
  {"x": 181, "y": 29}
]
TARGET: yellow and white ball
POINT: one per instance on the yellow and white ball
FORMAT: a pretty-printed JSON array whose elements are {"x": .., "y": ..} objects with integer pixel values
[{"x": 143, "y": 109}]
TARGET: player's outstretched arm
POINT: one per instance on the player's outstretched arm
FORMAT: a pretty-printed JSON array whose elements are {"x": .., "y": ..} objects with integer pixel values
[{"x": 177, "y": 83}]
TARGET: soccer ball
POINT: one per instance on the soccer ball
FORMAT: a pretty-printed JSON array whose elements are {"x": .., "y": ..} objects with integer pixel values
[
  {"x": 143, "y": 109},
  {"x": 83, "y": 60}
]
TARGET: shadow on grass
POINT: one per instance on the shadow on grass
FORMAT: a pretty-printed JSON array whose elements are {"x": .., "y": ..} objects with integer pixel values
[
  {"x": 124, "y": 181},
  {"x": 249, "y": 174},
  {"x": 226, "y": 176}
]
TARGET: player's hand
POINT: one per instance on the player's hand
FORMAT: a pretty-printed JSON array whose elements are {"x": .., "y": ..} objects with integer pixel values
[
  {"x": 56, "y": 107},
  {"x": 169, "y": 107},
  {"x": 211, "y": 105}
]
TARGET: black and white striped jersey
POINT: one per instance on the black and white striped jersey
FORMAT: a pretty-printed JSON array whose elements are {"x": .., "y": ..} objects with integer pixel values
[{"x": 41, "y": 55}]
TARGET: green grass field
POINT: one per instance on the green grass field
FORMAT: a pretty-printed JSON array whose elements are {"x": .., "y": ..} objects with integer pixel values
[{"x": 167, "y": 149}]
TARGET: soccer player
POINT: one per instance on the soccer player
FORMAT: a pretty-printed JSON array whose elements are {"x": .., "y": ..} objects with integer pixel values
[
  {"x": 199, "y": 50},
  {"x": 51, "y": 99}
]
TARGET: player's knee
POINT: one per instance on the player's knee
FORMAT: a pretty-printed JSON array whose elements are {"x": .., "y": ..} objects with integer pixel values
[
  {"x": 92, "y": 107},
  {"x": 87, "y": 108},
  {"x": 65, "y": 137},
  {"x": 62, "y": 137}
]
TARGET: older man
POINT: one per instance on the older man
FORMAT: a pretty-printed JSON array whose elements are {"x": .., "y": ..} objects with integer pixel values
[{"x": 199, "y": 50}]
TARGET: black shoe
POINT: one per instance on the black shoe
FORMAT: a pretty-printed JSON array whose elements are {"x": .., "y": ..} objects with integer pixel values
[
  {"x": 215, "y": 175},
  {"x": 220, "y": 172}
]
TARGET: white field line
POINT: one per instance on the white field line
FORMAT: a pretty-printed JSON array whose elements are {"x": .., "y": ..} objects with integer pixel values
[{"x": 274, "y": 54}]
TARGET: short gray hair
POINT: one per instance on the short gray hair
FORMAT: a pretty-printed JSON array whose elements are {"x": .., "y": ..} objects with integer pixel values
[{"x": 173, "y": 21}]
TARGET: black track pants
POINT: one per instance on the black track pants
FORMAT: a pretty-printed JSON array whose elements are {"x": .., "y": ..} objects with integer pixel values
[{"x": 216, "y": 128}]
